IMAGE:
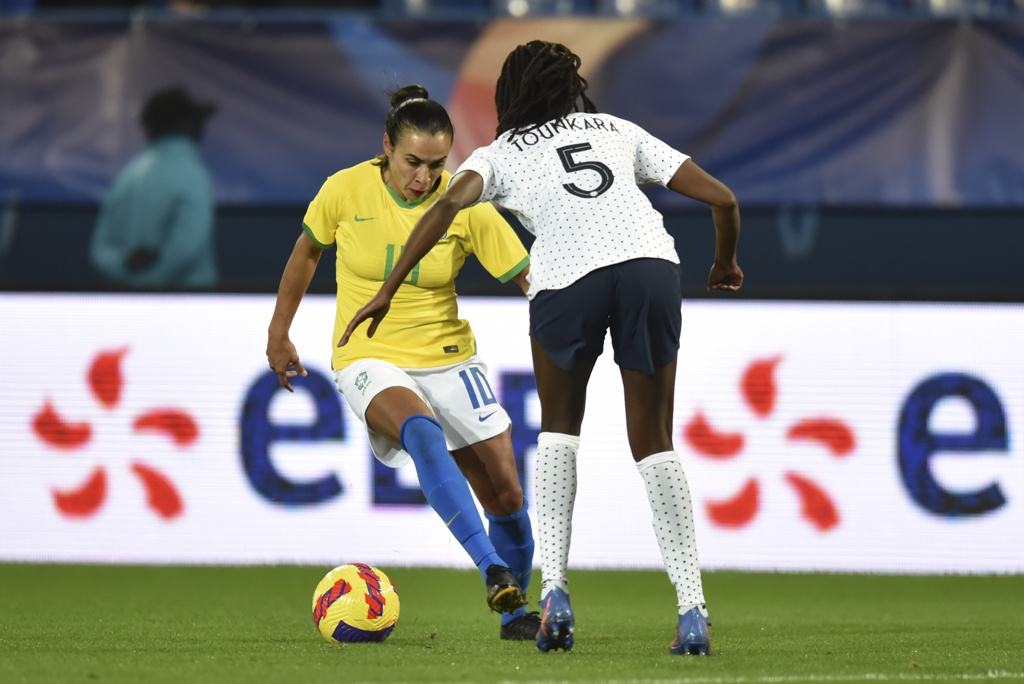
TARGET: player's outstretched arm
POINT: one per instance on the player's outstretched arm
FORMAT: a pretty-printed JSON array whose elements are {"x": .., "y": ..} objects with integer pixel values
[
  {"x": 464, "y": 189},
  {"x": 692, "y": 181},
  {"x": 281, "y": 353}
]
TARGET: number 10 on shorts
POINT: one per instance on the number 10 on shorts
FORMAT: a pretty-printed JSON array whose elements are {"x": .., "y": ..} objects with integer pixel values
[{"x": 486, "y": 395}]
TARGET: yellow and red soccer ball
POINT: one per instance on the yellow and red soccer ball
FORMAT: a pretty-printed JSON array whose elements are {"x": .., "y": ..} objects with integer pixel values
[{"x": 355, "y": 603}]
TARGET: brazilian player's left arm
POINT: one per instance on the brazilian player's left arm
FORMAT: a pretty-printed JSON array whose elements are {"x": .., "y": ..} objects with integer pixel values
[
  {"x": 521, "y": 280},
  {"x": 464, "y": 190}
]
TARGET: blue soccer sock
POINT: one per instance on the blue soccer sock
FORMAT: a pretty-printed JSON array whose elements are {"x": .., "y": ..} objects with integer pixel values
[
  {"x": 512, "y": 537},
  {"x": 446, "y": 489}
]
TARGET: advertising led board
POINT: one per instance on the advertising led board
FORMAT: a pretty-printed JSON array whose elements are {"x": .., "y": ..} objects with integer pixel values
[{"x": 815, "y": 436}]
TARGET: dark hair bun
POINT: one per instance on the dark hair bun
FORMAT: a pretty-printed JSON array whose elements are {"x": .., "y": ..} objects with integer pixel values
[
  {"x": 409, "y": 92},
  {"x": 420, "y": 114}
]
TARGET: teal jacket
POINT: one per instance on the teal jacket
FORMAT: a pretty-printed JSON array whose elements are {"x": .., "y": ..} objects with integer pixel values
[{"x": 162, "y": 201}]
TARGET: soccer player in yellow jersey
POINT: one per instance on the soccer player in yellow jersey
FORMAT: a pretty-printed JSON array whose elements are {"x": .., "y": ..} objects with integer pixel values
[{"x": 418, "y": 384}]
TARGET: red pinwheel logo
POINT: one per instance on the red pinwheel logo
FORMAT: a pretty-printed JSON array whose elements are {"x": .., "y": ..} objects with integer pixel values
[
  {"x": 106, "y": 382},
  {"x": 759, "y": 392}
]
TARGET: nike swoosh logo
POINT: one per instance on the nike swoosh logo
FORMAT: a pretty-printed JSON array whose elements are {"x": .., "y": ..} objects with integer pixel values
[
  {"x": 483, "y": 418},
  {"x": 449, "y": 523},
  {"x": 359, "y": 220}
]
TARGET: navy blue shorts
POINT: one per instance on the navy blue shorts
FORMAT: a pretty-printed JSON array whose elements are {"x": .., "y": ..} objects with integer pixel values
[{"x": 638, "y": 300}]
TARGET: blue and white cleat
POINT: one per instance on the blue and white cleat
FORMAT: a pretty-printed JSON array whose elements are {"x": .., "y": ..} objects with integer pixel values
[
  {"x": 692, "y": 636},
  {"x": 556, "y": 622}
]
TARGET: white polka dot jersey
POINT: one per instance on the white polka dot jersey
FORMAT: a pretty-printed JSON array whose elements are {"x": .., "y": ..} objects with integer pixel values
[{"x": 573, "y": 183}]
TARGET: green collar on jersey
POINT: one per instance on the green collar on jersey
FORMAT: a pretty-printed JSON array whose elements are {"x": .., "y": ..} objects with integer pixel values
[{"x": 407, "y": 205}]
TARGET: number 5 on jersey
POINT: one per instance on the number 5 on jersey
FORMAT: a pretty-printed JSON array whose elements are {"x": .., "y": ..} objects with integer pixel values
[{"x": 571, "y": 165}]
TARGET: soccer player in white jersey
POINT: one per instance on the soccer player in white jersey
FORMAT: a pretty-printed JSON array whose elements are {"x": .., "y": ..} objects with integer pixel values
[{"x": 602, "y": 261}]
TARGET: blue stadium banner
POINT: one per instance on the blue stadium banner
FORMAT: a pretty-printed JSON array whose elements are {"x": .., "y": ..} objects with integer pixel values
[{"x": 801, "y": 112}]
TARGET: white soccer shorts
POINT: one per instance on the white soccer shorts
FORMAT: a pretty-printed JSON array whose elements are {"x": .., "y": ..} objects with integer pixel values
[{"x": 459, "y": 396}]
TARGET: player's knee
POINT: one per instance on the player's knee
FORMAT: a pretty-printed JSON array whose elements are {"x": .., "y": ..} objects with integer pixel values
[
  {"x": 649, "y": 448},
  {"x": 507, "y": 500},
  {"x": 646, "y": 443},
  {"x": 564, "y": 424},
  {"x": 512, "y": 499}
]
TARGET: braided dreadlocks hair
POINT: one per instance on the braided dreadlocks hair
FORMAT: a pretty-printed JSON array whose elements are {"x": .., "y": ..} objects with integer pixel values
[{"x": 539, "y": 81}]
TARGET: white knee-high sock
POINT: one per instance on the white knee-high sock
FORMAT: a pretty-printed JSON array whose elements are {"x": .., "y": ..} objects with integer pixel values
[
  {"x": 673, "y": 524},
  {"x": 554, "y": 490}
]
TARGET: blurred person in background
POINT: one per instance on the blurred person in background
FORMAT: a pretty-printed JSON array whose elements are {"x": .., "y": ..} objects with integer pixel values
[{"x": 155, "y": 227}]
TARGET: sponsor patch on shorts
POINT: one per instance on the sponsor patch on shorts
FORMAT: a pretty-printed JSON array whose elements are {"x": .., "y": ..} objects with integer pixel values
[{"x": 451, "y": 349}]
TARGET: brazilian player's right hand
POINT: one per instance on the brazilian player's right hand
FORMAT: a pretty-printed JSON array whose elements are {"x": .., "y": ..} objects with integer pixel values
[
  {"x": 377, "y": 308},
  {"x": 284, "y": 360}
]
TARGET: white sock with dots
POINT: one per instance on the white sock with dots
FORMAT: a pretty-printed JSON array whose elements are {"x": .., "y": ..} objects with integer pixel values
[
  {"x": 673, "y": 524},
  {"x": 554, "y": 493}
]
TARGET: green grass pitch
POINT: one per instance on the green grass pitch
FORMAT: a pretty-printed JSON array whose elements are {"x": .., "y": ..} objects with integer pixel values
[{"x": 253, "y": 624}]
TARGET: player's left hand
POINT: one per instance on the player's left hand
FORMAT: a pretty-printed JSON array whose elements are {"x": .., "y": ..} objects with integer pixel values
[
  {"x": 728, "y": 277},
  {"x": 377, "y": 308}
]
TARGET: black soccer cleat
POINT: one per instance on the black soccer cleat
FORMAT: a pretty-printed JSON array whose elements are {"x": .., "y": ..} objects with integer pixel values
[
  {"x": 503, "y": 592},
  {"x": 522, "y": 628}
]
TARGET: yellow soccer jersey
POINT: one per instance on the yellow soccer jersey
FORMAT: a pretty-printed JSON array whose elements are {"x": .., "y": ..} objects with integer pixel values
[{"x": 370, "y": 224}]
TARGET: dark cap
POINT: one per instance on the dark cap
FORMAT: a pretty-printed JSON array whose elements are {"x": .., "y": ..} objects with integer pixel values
[{"x": 173, "y": 111}]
